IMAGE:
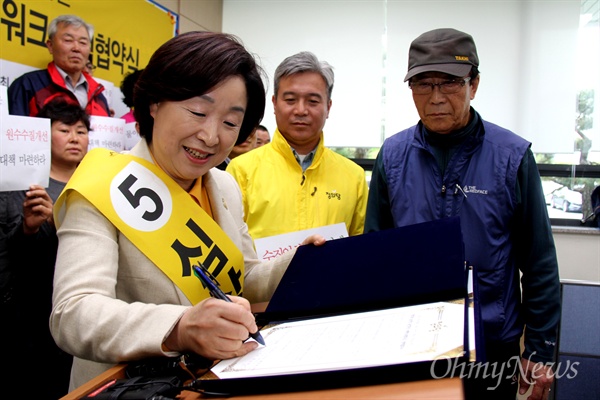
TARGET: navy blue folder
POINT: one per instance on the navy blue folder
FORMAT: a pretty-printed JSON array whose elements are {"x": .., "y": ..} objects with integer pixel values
[{"x": 417, "y": 264}]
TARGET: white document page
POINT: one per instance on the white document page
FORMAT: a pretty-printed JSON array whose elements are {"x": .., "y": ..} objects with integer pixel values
[
  {"x": 25, "y": 153},
  {"x": 383, "y": 337},
  {"x": 273, "y": 246},
  {"x": 131, "y": 136},
  {"x": 107, "y": 132}
]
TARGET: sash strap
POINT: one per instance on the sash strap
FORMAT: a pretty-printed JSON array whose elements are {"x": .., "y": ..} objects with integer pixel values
[{"x": 159, "y": 218}]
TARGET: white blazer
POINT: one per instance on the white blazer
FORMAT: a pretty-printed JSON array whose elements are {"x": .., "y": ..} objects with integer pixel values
[{"x": 111, "y": 304}]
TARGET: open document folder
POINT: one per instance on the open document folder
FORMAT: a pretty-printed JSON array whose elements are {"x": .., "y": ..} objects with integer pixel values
[
  {"x": 415, "y": 264},
  {"x": 386, "y": 306},
  {"x": 375, "y": 338}
]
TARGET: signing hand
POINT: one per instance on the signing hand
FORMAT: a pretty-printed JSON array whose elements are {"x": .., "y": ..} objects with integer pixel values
[{"x": 215, "y": 329}]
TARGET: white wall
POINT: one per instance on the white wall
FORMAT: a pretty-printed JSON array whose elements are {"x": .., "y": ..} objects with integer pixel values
[
  {"x": 346, "y": 34},
  {"x": 527, "y": 53}
]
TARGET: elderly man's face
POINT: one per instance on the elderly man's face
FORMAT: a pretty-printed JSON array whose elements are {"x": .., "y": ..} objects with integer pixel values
[
  {"x": 70, "y": 47},
  {"x": 444, "y": 113}
]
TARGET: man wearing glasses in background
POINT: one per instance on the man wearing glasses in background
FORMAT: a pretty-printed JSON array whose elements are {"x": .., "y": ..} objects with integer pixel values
[
  {"x": 455, "y": 163},
  {"x": 69, "y": 43}
]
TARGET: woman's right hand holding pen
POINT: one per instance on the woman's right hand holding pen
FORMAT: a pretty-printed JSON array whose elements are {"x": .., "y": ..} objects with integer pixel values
[{"x": 215, "y": 329}]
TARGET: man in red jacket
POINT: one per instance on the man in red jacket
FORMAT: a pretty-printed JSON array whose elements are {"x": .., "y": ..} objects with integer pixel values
[{"x": 69, "y": 43}]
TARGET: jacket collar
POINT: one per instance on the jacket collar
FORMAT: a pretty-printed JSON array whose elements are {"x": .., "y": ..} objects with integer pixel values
[
  {"x": 283, "y": 147},
  {"x": 94, "y": 87}
]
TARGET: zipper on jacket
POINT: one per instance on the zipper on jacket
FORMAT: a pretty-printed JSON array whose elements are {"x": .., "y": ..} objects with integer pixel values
[
  {"x": 461, "y": 190},
  {"x": 303, "y": 179}
]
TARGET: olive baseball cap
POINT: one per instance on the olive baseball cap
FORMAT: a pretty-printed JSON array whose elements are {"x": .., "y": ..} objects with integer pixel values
[{"x": 442, "y": 50}]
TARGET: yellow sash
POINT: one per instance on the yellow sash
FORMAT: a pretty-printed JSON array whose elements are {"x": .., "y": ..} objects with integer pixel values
[{"x": 159, "y": 218}]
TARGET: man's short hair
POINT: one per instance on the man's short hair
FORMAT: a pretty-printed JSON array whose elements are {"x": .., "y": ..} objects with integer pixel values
[
  {"x": 304, "y": 61},
  {"x": 69, "y": 20}
]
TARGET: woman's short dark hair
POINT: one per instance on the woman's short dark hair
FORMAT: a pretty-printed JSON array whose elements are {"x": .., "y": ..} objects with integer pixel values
[
  {"x": 192, "y": 64},
  {"x": 67, "y": 113}
]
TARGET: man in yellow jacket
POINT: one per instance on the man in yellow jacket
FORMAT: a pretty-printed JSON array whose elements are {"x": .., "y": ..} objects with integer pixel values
[{"x": 295, "y": 182}]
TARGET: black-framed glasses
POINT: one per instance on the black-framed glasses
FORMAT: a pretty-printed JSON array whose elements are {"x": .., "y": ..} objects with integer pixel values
[{"x": 446, "y": 87}]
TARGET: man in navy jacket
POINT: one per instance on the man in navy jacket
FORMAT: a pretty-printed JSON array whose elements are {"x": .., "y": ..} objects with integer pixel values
[{"x": 455, "y": 163}]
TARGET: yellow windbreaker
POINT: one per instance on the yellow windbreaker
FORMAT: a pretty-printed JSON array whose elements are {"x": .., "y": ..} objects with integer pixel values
[{"x": 278, "y": 198}]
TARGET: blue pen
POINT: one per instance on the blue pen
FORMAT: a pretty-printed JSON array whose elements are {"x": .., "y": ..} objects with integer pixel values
[{"x": 213, "y": 287}]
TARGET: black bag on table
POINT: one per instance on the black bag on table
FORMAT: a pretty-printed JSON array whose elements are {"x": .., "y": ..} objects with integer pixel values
[{"x": 138, "y": 388}]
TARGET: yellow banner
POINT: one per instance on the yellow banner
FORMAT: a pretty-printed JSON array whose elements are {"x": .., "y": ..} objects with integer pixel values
[{"x": 126, "y": 32}]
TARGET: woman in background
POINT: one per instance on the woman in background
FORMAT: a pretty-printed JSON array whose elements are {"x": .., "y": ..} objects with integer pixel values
[
  {"x": 31, "y": 254},
  {"x": 127, "y": 86}
]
